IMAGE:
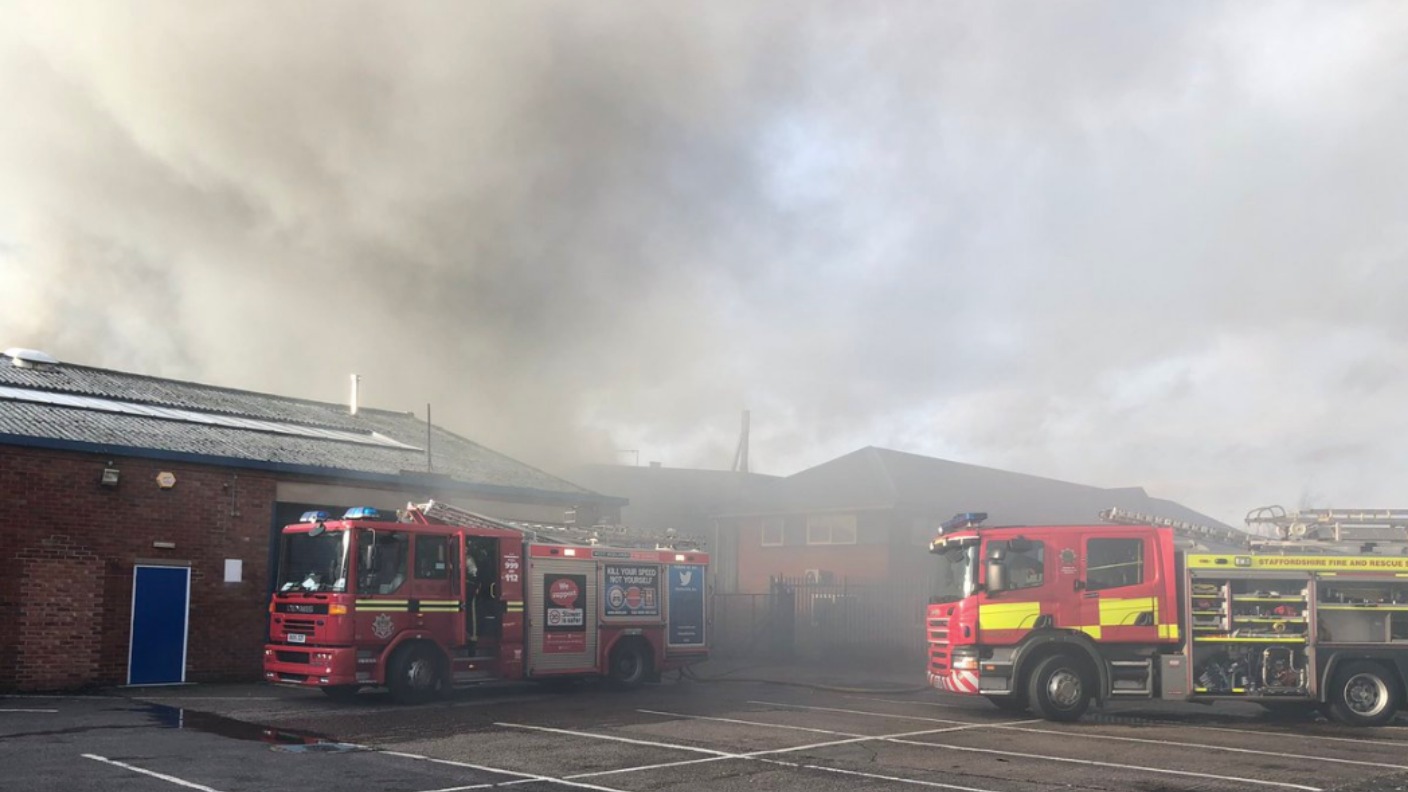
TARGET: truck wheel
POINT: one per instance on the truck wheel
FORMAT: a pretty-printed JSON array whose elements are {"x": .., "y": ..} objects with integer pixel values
[
  {"x": 1364, "y": 694},
  {"x": 341, "y": 693},
  {"x": 1059, "y": 688},
  {"x": 630, "y": 665},
  {"x": 415, "y": 675}
]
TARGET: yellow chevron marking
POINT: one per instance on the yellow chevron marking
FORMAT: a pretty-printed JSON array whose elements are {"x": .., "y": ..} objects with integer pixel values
[
  {"x": 1123, "y": 612},
  {"x": 1008, "y": 615}
]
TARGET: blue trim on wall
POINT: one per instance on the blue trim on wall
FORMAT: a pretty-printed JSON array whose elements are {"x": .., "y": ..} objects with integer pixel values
[{"x": 407, "y": 479}]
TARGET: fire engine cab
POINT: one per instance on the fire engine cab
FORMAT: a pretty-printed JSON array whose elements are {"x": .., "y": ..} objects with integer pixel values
[
  {"x": 1053, "y": 618},
  {"x": 439, "y": 597}
]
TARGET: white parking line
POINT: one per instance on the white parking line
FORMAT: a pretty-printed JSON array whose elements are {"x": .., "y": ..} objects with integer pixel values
[
  {"x": 1177, "y": 725},
  {"x": 746, "y": 723},
  {"x": 1204, "y": 746},
  {"x": 1093, "y": 763},
  {"x": 1298, "y": 735},
  {"x": 12, "y": 709},
  {"x": 878, "y": 714},
  {"x": 152, "y": 773},
  {"x": 756, "y": 755},
  {"x": 1047, "y": 757},
  {"x": 524, "y": 777}
]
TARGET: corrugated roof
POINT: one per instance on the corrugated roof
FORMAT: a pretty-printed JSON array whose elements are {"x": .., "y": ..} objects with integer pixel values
[{"x": 27, "y": 421}]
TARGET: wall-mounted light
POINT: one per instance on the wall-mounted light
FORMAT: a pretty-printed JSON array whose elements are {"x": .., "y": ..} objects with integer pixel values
[{"x": 110, "y": 476}]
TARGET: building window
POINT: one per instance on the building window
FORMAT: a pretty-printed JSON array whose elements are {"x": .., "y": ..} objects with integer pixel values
[
  {"x": 771, "y": 529},
  {"x": 831, "y": 529},
  {"x": 1112, "y": 563}
]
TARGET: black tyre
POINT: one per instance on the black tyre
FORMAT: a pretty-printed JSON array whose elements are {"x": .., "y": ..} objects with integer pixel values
[
  {"x": 1364, "y": 694},
  {"x": 1012, "y": 703},
  {"x": 341, "y": 693},
  {"x": 1059, "y": 689},
  {"x": 630, "y": 665},
  {"x": 415, "y": 675}
]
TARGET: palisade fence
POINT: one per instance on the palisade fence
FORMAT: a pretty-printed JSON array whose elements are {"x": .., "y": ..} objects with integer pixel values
[{"x": 809, "y": 620}]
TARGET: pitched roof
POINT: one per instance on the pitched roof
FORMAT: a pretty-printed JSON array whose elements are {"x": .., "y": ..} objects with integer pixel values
[
  {"x": 879, "y": 478},
  {"x": 680, "y": 498},
  {"x": 82, "y": 408}
]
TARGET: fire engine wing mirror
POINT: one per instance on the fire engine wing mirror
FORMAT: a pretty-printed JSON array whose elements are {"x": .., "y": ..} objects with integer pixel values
[
  {"x": 997, "y": 576},
  {"x": 997, "y": 568}
]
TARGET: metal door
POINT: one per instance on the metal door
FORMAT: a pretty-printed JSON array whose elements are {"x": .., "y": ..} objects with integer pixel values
[{"x": 161, "y": 604}]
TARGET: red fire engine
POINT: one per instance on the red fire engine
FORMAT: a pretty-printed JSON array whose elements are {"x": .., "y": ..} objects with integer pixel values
[
  {"x": 1052, "y": 618},
  {"x": 444, "y": 597}
]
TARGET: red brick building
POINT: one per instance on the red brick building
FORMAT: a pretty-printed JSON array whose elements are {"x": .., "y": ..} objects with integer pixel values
[{"x": 118, "y": 486}]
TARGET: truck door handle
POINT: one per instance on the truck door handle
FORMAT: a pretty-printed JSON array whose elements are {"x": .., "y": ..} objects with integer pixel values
[{"x": 1092, "y": 595}]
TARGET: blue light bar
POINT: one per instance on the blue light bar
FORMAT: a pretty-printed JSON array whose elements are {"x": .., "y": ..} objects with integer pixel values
[
  {"x": 963, "y": 520},
  {"x": 362, "y": 513},
  {"x": 313, "y": 516}
]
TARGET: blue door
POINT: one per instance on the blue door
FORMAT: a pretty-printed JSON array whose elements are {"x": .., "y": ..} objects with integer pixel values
[{"x": 161, "y": 598}]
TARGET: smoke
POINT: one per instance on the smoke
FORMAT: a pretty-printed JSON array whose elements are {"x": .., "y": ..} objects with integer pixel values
[{"x": 1112, "y": 243}]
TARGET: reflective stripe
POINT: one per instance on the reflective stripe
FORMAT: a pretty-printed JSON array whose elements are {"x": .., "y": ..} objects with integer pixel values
[
  {"x": 1008, "y": 615},
  {"x": 1093, "y": 632},
  {"x": 1124, "y": 612},
  {"x": 1168, "y": 630}
]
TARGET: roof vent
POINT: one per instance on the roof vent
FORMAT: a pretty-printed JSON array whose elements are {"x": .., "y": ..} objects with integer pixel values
[{"x": 30, "y": 358}]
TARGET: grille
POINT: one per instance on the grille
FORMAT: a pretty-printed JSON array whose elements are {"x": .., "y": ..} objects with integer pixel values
[
  {"x": 938, "y": 643},
  {"x": 299, "y": 625},
  {"x": 292, "y": 657}
]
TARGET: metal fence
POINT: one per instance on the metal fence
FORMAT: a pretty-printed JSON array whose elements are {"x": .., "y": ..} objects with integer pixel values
[{"x": 809, "y": 620}]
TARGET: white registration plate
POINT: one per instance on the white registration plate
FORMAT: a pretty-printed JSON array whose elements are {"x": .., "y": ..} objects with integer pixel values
[{"x": 297, "y": 638}]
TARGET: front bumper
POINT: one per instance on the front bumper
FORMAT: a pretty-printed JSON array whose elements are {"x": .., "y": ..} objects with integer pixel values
[
  {"x": 954, "y": 681},
  {"x": 311, "y": 666}
]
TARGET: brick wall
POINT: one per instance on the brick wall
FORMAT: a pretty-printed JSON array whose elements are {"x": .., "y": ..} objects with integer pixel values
[
  {"x": 66, "y": 596},
  {"x": 60, "y": 617}
]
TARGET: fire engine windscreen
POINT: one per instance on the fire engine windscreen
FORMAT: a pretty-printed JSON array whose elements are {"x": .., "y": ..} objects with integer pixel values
[
  {"x": 957, "y": 575},
  {"x": 311, "y": 563}
]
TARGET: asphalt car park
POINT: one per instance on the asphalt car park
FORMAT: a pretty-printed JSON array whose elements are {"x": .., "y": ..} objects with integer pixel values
[{"x": 675, "y": 736}]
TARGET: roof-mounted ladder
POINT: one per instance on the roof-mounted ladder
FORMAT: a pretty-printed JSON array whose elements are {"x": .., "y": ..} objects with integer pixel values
[
  {"x": 1187, "y": 529},
  {"x": 602, "y": 534},
  {"x": 1342, "y": 530}
]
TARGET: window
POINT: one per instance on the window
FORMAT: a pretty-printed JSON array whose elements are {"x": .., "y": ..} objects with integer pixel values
[
  {"x": 771, "y": 528},
  {"x": 823, "y": 529},
  {"x": 432, "y": 557},
  {"x": 1111, "y": 563},
  {"x": 381, "y": 561},
  {"x": 1025, "y": 568}
]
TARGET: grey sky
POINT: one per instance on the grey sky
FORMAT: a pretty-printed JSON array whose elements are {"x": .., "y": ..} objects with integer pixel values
[{"x": 1157, "y": 244}]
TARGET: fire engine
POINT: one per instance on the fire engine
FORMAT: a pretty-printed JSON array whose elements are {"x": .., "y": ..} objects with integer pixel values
[
  {"x": 440, "y": 597},
  {"x": 1053, "y": 618}
]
